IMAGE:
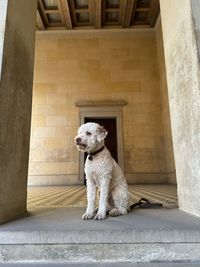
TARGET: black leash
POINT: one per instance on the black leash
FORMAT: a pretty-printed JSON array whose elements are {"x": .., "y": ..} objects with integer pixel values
[{"x": 146, "y": 204}]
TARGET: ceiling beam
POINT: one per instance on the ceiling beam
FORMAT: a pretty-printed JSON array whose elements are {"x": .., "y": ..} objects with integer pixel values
[
  {"x": 42, "y": 13},
  {"x": 129, "y": 7},
  {"x": 97, "y": 13},
  {"x": 66, "y": 13},
  {"x": 40, "y": 23},
  {"x": 91, "y": 12},
  {"x": 72, "y": 9},
  {"x": 153, "y": 13}
]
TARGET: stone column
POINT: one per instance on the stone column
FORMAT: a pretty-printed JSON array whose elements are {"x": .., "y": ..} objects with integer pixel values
[
  {"x": 15, "y": 103},
  {"x": 183, "y": 77}
]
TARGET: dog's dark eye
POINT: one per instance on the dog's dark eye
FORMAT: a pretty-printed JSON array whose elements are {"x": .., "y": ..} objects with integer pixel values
[{"x": 88, "y": 133}]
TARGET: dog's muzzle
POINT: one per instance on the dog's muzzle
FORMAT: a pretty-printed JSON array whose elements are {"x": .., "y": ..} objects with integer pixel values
[{"x": 79, "y": 143}]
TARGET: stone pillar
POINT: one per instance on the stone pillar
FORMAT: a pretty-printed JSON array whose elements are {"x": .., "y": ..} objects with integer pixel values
[
  {"x": 15, "y": 103},
  {"x": 183, "y": 77}
]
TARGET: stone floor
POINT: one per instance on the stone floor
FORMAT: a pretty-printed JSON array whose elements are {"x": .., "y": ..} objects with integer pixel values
[
  {"x": 75, "y": 196},
  {"x": 65, "y": 225}
]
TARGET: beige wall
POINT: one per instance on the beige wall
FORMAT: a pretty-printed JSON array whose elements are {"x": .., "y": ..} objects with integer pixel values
[
  {"x": 169, "y": 153},
  {"x": 183, "y": 75},
  {"x": 120, "y": 65}
]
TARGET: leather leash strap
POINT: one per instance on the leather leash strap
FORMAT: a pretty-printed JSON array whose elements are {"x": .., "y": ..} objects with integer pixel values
[{"x": 146, "y": 204}]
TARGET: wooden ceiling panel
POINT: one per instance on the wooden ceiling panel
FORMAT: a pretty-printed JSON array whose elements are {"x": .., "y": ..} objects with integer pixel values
[
  {"x": 50, "y": 4},
  {"x": 79, "y": 14},
  {"x": 81, "y": 4}
]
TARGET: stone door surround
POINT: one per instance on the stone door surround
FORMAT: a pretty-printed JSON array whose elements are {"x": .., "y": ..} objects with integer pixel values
[{"x": 103, "y": 109}]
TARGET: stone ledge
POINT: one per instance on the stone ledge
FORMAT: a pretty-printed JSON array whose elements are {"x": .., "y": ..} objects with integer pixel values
[{"x": 64, "y": 226}]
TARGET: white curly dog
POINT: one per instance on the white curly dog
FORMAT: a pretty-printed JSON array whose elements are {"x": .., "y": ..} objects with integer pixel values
[{"x": 103, "y": 172}]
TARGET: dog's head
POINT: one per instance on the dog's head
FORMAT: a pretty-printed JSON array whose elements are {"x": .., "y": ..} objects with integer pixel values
[{"x": 90, "y": 137}]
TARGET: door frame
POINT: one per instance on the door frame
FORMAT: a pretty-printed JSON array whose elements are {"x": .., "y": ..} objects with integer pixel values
[{"x": 105, "y": 110}]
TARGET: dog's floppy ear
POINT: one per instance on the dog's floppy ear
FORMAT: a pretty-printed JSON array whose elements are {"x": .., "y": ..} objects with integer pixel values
[{"x": 102, "y": 133}]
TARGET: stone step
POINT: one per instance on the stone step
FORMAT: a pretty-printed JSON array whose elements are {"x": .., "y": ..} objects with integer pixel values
[
  {"x": 143, "y": 236},
  {"x": 136, "y": 253},
  {"x": 119, "y": 264}
]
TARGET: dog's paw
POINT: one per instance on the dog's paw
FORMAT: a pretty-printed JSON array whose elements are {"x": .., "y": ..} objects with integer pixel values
[
  {"x": 116, "y": 212},
  {"x": 88, "y": 215},
  {"x": 100, "y": 216}
]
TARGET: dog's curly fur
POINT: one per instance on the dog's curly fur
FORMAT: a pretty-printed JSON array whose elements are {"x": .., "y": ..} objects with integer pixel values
[{"x": 102, "y": 172}]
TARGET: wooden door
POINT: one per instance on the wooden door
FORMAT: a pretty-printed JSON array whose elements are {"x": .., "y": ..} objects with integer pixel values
[{"x": 111, "y": 139}]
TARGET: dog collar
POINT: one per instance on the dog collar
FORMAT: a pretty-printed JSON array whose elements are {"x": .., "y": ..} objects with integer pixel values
[{"x": 92, "y": 154}]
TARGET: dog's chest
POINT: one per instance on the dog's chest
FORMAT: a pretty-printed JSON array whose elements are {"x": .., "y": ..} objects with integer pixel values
[
  {"x": 93, "y": 167},
  {"x": 97, "y": 167}
]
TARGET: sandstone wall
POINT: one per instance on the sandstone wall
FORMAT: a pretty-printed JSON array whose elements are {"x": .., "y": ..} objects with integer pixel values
[{"x": 95, "y": 66}]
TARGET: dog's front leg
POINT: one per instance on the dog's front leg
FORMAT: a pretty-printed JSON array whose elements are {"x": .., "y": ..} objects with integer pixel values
[
  {"x": 91, "y": 194},
  {"x": 103, "y": 200}
]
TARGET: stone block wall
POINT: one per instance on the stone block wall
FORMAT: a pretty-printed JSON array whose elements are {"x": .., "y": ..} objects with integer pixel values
[{"x": 94, "y": 66}]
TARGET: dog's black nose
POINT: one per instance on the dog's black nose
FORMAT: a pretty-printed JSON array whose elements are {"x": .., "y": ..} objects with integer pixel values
[{"x": 78, "y": 140}]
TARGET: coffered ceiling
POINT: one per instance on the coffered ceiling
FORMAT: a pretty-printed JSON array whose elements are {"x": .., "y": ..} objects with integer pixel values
[{"x": 96, "y": 14}]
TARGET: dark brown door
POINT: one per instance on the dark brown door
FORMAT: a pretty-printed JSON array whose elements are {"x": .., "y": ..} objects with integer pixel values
[{"x": 111, "y": 139}]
